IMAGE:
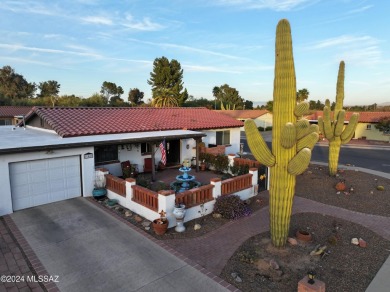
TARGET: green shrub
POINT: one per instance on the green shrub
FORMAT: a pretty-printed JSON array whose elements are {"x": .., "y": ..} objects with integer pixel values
[
  {"x": 221, "y": 163},
  {"x": 239, "y": 169},
  {"x": 231, "y": 207}
]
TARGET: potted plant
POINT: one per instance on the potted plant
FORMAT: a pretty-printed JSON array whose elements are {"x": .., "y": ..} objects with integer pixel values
[
  {"x": 160, "y": 225},
  {"x": 204, "y": 158},
  {"x": 99, "y": 191}
]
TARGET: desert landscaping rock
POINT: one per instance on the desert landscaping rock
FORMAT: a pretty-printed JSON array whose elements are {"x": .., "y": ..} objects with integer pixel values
[
  {"x": 146, "y": 223},
  {"x": 138, "y": 218}
]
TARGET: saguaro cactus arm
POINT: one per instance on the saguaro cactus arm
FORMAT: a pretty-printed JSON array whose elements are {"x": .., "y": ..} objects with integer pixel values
[
  {"x": 257, "y": 145},
  {"x": 349, "y": 130}
]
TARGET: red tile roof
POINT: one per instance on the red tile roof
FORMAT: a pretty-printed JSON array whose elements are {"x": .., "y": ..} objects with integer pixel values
[
  {"x": 72, "y": 122},
  {"x": 364, "y": 117},
  {"x": 11, "y": 111},
  {"x": 243, "y": 114}
]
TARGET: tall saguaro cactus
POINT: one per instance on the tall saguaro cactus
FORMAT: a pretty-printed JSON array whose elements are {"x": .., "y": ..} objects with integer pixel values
[
  {"x": 292, "y": 138},
  {"x": 333, "y": 130}
]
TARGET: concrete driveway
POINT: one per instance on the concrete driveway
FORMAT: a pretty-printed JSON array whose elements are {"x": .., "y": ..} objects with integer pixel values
[{"x": 92, "y": 251}]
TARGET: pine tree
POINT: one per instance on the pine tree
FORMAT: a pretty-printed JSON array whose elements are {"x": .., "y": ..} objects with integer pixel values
[{"x": 167, "y": 82}]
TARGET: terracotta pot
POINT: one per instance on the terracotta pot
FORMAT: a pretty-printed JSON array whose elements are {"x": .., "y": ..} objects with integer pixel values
[
  {"x": 159, "y": 228},
  {"x": 303, "y": 235},
  {"x": 340, "y": 186},
  {"x": 203, "y": 166}
]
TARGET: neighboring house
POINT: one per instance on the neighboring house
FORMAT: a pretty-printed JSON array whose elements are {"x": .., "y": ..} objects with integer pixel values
[
  {"x": 262, "y": 118},
  {"x": 12, "y": 115},
  {"x": 54, "y": 157},
  {"x": 366, "y": 124}
]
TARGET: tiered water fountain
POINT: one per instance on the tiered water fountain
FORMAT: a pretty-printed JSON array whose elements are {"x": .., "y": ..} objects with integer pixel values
[{"x": 184, "y": 181}]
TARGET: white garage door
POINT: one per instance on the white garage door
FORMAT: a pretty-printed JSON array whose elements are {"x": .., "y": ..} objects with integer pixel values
[{"x": 38, "y": 182}]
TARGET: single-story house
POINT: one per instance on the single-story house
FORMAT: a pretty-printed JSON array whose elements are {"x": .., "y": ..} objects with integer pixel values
[
  {"x": 52, "y": 155},
  {"x": 12, "y": 115},
  {"x": 366, "y": 124},
  {"x": 262, "y": 118}
]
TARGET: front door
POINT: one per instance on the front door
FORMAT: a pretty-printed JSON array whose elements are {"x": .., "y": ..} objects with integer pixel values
[{"x": 173, "y": 152}]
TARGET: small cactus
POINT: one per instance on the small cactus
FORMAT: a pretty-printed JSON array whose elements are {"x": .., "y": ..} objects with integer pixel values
[{"x": 334, "y": 130}]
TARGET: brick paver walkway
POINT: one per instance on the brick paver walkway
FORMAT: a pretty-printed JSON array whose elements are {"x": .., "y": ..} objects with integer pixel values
[
  {"x": 19, "y": 267},
  {"x": 214, "y": 249}
]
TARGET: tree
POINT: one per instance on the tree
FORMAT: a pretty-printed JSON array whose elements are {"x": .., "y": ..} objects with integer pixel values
[
  {"x": 69, "y": 101},
  {"x": 228, "y": 97},
  {"x": 216, "y": 91},
  {"x": 96, "y": 99},
  {"x": 183, "y": 97},
  {"x": 135, "y": 97},
  {"x": 269, "y": 106},
  {"x": 248, "y": 104},
  {"x": 199, "y": 102},
  {"x": 49, "y": 90},
  {"x": 167, "y": 82},
  {"x": 117, "y": 101},
  {"x": 383, "y": 125},
  {"x": 302, "y": 95},
  {"x": 14, "y": 86},
  {"x": 110, "y": 90}
]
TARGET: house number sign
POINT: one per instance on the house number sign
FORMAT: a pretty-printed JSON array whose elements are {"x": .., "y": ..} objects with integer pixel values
[{"x": 88, "y": 155}]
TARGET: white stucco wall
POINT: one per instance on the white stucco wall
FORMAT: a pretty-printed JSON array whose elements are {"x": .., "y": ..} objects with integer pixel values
[
  {"x": 234, "y": 139},
  {"x": 87, "y": 171}
]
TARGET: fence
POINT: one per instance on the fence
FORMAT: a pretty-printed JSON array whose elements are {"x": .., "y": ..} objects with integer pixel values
[
  {"x": 195, "y": 196},
  {"x": 236, "y": 184},
  {"x": 145, "y": 197},
  {"x": 116, "y": 184},
  {"x": 199, "y": 201}
]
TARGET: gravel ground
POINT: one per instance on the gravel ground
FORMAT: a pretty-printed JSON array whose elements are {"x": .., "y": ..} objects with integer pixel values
[
  {"x": 347, "y": 267},
  {"x": 315, "y": 184}
]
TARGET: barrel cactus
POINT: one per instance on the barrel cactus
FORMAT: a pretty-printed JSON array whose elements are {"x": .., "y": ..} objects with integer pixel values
[
  {"x": 333, "y": 129},
  {"x": 292, "y": 138}
]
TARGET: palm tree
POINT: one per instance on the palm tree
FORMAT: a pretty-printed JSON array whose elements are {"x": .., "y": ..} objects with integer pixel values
[
  {"x": 165, "y": 98},
  {"x": 216, "y": 91}
]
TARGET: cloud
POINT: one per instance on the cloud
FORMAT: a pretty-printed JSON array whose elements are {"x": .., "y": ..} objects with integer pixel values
[
  {"x": 276, "y": 5},
  {"x": 97, "y": 20},
  {"x": 344, "y": 40},
  {"x": 145, "y": 25},
  {"x": 186, "y": 48},
  {"x": 361, "y": 9},
  {"x": 28, "y": 61},
  {"x": 354, "y": 49},
  {"x": 16, "y": 47},
  {"x": 197, "y": 68},
  {"x": 29, "y": 7}
]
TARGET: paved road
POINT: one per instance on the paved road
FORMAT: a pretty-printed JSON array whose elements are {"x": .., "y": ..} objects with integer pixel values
[
  {"x": 365, "y": 156},
  {"x": 92, "y": 251}
]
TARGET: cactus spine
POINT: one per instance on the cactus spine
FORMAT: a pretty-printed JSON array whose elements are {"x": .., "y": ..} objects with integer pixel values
[
  {"x": 334, "y": 130},
  {"x": 286, "y": 159}
]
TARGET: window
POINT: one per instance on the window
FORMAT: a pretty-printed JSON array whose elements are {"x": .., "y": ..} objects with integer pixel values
[
  {"x": 223, "y": 137},
  {"x": 5, "y": 122},
  {"x": 106, "y": 154},
  {"x": 145, "y": 148},
  {"x": 368, "y": 127}
]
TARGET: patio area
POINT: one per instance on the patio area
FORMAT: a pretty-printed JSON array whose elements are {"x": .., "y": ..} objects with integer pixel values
[{"x": 168, "y": 175}]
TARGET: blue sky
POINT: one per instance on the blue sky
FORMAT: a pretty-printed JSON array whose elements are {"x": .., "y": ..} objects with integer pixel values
[{"x": 82, "y": 43}]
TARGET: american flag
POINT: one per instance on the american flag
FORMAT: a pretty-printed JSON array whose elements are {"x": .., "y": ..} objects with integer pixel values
[{"x": 163, "y": 153}]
